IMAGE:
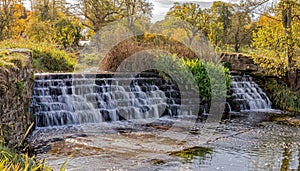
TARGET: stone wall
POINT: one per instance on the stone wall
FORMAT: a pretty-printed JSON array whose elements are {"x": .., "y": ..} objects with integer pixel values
[
  {"x": 240, "y": 62},
  {"x": 16, "y": 82}
]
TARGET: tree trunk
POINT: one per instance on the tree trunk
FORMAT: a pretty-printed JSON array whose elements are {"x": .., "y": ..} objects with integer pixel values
[
  {"x": 236, "y": 41},
  {"x": 236, "y": 47},
  {"x": 293, "y": 79},
  {"x": 288, "y": 32}
]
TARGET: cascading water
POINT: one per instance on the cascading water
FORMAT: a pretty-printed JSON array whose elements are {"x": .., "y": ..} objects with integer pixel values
[
  {"x": 247, "y": 95},
  {"x": 67, "y": 99}
]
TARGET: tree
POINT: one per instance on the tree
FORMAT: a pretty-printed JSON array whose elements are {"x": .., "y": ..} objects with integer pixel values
[
  {"x": 277, "y": 39},
  {"x": 242, "y": 27},
  {"x": 99, "y": 13},
  {"x": 12, "y": 12},
  {"x": 137, "y": 10},
  {"x": 222, "y": 13},
  {"x": 40, "y": 31},
  {"x": 241, "y": 30},
  {"x": 47, "y": 10},
  {"x": 290, "y": 16},
  {"x": 197, "y": 19},
  {"x": 17, "y": 28},
  {"x": 68, "y": 31},
  {"x": 232, "y": 23},
  {"x": 51, "y": 22}
]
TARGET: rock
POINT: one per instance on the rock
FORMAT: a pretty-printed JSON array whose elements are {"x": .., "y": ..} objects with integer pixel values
[{"x": 157, "y": 161}]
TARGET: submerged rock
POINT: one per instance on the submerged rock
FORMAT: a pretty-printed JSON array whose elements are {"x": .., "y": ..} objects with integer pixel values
[
  {"x": 157, "y": 161},
  {"x": 190, "y": 153}
]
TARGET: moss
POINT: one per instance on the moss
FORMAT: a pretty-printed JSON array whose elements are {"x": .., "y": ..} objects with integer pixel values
[
  {"x": 190, "y": 153},
  {"x": 20, "y": 88},
  {"x": 6, "y": 64},
  {"x": 13, "y": 60}
]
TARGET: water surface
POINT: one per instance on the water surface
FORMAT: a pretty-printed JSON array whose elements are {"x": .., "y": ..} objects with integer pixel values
[{"x": 248, "y": 142}]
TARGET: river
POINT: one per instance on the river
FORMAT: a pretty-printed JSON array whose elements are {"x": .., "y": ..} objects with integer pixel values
[{"x": 241, "y": 141}]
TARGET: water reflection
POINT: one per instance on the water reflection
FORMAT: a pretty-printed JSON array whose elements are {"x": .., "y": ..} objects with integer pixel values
[
  {"x": 258, "y": 150},
  {"x": 286, "y": 157}
]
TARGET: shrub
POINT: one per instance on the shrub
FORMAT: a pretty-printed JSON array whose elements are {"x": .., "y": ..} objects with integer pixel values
[
  {"x": 213, "y": 80},
  {"x": 46, "y": 57},
  {"x": 282, "y": 97},
  {"x": 53, "y": 60}
]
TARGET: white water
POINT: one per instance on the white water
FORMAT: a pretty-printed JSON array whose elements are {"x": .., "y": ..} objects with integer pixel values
[
  {"x": 69, "y": 100},
  {"x": 247, "y": 95}
]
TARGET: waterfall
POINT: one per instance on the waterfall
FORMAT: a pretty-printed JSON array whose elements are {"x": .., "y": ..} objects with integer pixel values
[
  {"x": 68, "y": 99},
  {"x": 247, "y": 95}
]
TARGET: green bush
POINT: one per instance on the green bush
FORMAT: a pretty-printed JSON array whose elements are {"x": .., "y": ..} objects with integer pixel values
[
  {"x": 213, "y": 80},
  {"x": 46, "y": 57},
  {"x": 53, "y": 60},
  {"x": 282, "y": 97}
]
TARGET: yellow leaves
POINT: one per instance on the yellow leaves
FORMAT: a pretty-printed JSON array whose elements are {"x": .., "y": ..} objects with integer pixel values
[
  {"x": 272, "y": 43},
  {"x": 149, "y": 36},
  {"x": 179, "y": 34},
  {"x": 40, "y": 31},
  {"x": 15, "y": 16},
  {"x": 177, "y": 7}
]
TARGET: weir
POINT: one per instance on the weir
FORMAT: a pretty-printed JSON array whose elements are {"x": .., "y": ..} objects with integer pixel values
[
  {"x": 70, "y": 99},
  {"x": 247, "y": 95}
]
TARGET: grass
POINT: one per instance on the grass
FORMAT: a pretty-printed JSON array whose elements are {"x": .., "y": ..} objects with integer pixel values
[{"x": 12, "y": 161}]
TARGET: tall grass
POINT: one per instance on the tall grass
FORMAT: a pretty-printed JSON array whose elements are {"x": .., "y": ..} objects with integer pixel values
[{"x": 12, "y": 161}]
